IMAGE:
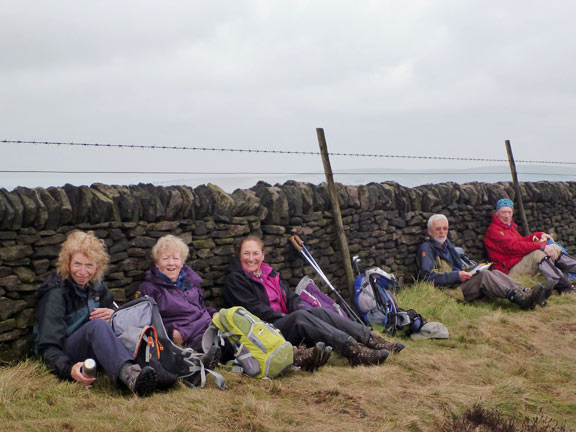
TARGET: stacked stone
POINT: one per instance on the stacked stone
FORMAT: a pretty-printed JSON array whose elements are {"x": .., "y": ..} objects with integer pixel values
[{"x": 385, "y": 224}]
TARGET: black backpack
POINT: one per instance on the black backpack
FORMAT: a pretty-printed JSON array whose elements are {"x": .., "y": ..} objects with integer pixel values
[{"x": 138, "y": 324}]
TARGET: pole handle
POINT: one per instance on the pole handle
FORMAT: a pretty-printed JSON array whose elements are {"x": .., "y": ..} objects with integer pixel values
[{"x": 297, "y": 242}]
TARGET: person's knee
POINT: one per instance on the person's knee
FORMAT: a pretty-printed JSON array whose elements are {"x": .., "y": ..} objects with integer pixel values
[
  {"x": 537, "y": 255},
  {"x": 98, "y": 327}
]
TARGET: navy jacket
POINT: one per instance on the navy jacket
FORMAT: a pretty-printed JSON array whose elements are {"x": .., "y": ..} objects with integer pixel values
[{"x": 439, "y": 265}]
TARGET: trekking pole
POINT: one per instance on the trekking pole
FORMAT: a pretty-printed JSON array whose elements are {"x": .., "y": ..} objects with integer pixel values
[
  {"x": 298, "y": 243},
  {"x": 356, "y": 264}
]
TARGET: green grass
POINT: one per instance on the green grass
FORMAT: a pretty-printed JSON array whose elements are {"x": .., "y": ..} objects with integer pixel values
[{"x": 521, "y": 363}]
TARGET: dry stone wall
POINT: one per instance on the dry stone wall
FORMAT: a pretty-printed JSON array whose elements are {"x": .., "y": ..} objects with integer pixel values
[{"x": 385, "y": 223}]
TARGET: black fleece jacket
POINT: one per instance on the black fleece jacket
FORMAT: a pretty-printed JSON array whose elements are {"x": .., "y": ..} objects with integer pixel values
[
  {"x": 62, "y": 308},
  {"x": 241, "y": 289}
]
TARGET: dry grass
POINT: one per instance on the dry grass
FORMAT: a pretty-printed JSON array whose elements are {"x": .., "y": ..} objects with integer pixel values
[{"x": 520, "y": 363}]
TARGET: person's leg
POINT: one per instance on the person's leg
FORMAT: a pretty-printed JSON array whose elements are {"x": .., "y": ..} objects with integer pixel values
[
  {"x": 359, "y": 332},
  {"x": 553, "y": 273},
  {"x": 96, "y": 340},
  {"x": 566, "y": 263},
  {"x": 304, "y": 327},
  {"x": 530, "y": 264}
]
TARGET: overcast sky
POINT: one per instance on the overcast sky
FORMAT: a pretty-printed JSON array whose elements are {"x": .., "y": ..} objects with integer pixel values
[{"x": 436, "y": 77}]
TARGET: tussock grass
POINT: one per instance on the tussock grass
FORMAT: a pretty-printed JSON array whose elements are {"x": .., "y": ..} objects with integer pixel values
[{"x": 515, "y": 363}]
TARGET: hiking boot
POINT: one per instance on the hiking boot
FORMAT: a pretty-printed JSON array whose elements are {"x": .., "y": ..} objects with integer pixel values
[
  {"x": 325, "y": 356},
  {"x": 358, "y": 354},
  {"x": 212, "y": 357},
  {"x": 377, "y": 342},
  {"x": 546, "y": 292},
  {"x": 309, "y": 359},
  {"x": 141, "y": 381},
  {"x": 529, "y": 300}
]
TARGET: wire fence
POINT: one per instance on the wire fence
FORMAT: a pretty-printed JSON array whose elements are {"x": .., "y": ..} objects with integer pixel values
[
  {"x": 136, "y": 147},
  {"x": 286, "y": 152}
]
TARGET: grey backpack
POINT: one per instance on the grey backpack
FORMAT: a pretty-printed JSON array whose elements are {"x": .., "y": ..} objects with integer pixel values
[{"x": 138, "y": 324}]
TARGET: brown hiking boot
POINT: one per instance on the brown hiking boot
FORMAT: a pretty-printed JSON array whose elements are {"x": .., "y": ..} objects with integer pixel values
[
  {"x": 377, "y": 342},
  {"x": 309, "y": 359},
  {"x": 528, "y": 300},
  {"x": 358, "y": 354}
]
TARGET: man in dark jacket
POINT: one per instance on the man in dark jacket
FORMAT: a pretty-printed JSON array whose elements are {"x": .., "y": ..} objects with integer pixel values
[
  {"x": 72, "y": 315},
  {"x": 440, "y": 264}
]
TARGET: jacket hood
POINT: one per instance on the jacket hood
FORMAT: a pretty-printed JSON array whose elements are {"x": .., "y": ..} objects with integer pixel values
[
  {"x": 236, "y": 266},
  {"x": 54, "y": 280},
  {"x": 153, "y": 275}
]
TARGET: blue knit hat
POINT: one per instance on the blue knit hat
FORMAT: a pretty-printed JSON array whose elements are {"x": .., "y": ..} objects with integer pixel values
[{"x": 504, "y": 202}]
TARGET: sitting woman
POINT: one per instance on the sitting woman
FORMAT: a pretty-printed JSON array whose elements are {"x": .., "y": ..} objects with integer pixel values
[
  {"x": 176, "y": 289},
  {"x": 74, "y": 308},
  {"x": 255, "y": 285}
]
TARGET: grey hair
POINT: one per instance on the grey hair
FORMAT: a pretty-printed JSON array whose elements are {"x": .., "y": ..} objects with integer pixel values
[
  {"x": 170, "y": 243},
  {"x": 434, "y": 218}
]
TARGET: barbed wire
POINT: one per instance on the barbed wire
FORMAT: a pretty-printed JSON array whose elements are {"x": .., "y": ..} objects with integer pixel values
[
  {"x": 252, "y": 173},
  {"x": 291, "y": 152}
]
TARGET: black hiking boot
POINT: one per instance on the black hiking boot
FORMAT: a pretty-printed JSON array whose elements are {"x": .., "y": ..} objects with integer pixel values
[
  {"x": 309, "y": 359},
  {"x": 358, "y": 354},
  {"x": 546, "y": 292},
  {"x": 141, "y": 381},
  {"x": 529, "y": 300},
  {"x": 377, "y": 342}
]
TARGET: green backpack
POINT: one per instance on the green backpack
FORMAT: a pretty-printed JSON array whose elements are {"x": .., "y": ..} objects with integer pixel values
[{"x": 260, "y": 349}]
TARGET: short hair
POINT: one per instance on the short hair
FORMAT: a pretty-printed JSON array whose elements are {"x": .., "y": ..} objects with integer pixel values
[
  {"x": 250, "y": 237},
  {"x": 434, "y": 218},
  {"x": 85, "y": 243},
  {"x": 171, "y": 243}
]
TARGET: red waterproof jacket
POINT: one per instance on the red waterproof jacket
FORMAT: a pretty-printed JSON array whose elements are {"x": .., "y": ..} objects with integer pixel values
[{"x": 506, "y": 246}]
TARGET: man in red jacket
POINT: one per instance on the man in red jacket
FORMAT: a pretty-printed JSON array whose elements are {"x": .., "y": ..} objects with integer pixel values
[{"x": 513, "y": 253}]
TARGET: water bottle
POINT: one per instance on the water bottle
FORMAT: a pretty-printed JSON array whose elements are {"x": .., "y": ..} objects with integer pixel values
[{"x": 89, "y": 368}]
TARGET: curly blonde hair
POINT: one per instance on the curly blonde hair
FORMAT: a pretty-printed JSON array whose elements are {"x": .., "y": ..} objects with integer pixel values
[
  {"x": 170, "y": 243},
  {"x": 85, "y": 243}
]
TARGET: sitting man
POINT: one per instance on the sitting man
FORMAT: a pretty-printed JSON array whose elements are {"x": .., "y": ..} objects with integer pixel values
[
  {"x": 440, "y": 264},
  {"x": 513, "y": 253}
]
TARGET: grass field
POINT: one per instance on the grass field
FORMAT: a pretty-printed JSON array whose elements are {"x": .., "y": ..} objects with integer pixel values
[{"x": 520, "y": 363}]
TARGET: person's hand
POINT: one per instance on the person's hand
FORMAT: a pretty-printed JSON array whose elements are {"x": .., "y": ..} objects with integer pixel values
[
  {"x": 552, "y": 252},
  {"x": 177, "y": 337},
  {"x": 464, "y": 276},
  {"x": 79, "y": 378},
  {"x": 545, "y": 237},
  {"x": 102, "y": 313}
]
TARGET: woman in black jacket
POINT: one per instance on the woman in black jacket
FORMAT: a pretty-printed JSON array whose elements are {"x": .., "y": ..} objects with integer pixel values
[
  {"x": 255, "y": 285},
  {"x": 72, "y": 315}
]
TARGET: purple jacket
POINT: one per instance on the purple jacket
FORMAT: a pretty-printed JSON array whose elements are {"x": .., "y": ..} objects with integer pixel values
[{"x": 181, "y": 309}]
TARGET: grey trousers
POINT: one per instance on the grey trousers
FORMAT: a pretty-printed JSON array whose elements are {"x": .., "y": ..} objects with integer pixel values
[
  {"x": 538, "y": 261},
  {"x": 321, "y": 325},
  {"x": 488, "y": 284}
]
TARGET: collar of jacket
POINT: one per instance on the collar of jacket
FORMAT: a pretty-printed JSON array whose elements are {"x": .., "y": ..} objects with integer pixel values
[{"x": 496, "y": 220}]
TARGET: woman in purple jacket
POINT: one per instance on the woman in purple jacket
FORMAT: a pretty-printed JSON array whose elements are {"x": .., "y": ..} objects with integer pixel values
[{"x": 176, "y": 289}]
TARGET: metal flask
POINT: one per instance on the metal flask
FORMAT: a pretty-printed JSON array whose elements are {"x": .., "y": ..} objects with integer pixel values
[{"x": 89, "y": 368}]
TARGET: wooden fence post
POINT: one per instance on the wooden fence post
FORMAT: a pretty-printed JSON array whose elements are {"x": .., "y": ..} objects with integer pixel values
[
  {"x": 336, "y": 212},
  {"x": 517, "y": 188}
]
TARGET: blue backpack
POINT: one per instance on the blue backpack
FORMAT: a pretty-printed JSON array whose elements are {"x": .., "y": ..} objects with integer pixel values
[{"x": 373, "y": 293}]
